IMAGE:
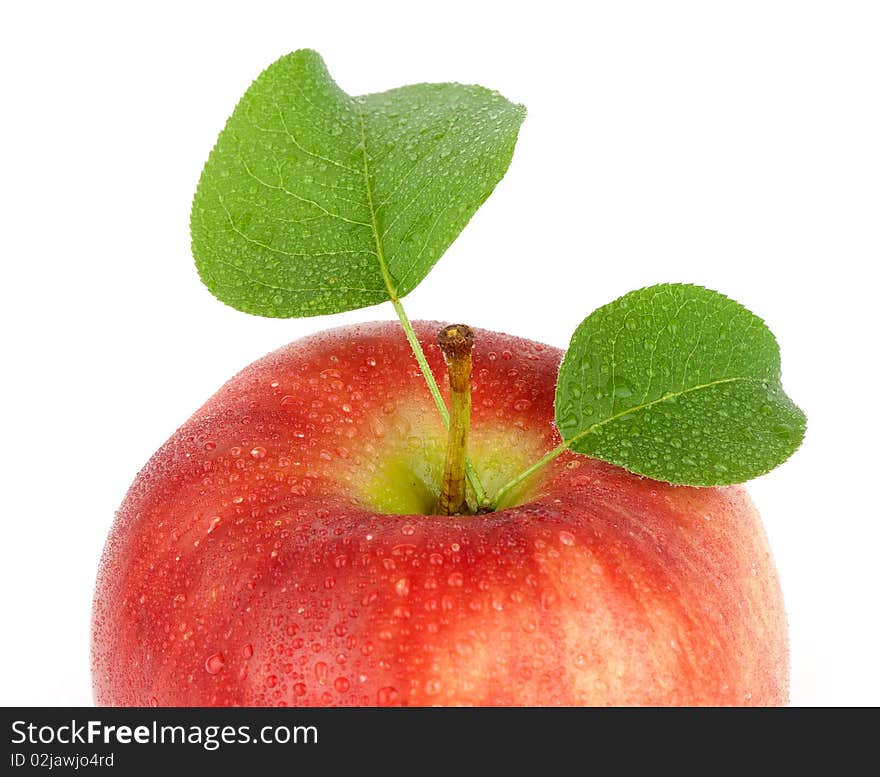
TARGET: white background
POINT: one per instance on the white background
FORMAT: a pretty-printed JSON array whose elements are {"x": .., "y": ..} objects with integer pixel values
[{"x": 731, "y": 144}]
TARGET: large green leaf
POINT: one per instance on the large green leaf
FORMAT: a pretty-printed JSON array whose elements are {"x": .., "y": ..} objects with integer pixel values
[{"x": 316, "y": 202}]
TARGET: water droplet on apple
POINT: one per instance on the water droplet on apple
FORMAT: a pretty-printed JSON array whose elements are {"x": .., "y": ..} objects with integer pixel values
[
  {"x": 214, "y": 663},
  {"x": 386, "y": 696},
  {"x": 566, "y": 538},
  {"x": 258, "y": 452},
  {"x": 321, "y": 672},
  {"x": 341, "y": 684},
  {"x": 402, "y": 587}
]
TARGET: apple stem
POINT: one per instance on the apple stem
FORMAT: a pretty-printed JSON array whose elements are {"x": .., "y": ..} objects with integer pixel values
[
  {"x": 457, "y": 343},
  {"x": 479, "y": 493}
]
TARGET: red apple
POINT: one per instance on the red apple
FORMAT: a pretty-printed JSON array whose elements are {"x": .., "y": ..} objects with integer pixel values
[{"x": 277, "y": 550}]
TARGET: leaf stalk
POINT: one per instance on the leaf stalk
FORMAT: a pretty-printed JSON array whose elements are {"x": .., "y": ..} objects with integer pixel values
[{"x": 528, "y": 472}]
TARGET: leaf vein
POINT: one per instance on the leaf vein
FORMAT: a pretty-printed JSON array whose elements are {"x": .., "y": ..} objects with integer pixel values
[
  {"x": 644, "y": 406},
  {"x": 302, "y": 148}
]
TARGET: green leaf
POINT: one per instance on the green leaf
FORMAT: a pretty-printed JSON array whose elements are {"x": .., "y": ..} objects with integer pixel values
[
  {"x": 678, "y": 383},
  {"x": 316, "y": 202}
]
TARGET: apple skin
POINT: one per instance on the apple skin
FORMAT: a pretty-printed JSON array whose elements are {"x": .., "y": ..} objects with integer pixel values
[{"x": 256, "y": 559}]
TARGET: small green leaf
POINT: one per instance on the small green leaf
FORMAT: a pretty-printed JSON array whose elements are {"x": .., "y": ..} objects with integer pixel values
[
  {"x": 316, "y": 202},
  {"x": 678, "y": 383}
]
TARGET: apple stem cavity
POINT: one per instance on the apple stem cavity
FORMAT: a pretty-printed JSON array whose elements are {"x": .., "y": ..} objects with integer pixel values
[{"x": 457, "y": 344}]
